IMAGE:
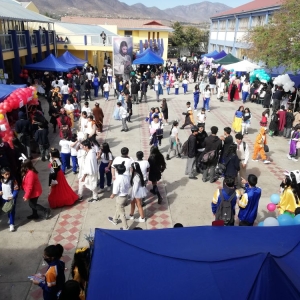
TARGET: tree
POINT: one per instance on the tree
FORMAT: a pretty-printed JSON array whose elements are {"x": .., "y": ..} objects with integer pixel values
[
  {"x": 178, "y": 35},
  {"x": 278, "y": 42},
  {"x": 192, "y": 38}
]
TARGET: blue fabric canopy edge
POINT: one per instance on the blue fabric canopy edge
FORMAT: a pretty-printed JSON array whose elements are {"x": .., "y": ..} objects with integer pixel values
[
  {"x": 210, "y": 54},
  {"x": 196, "y": 263},
  {"x": 6, "y": 90},
  {"x": 50, "y": 63},
  {"x": 149, "y": 58},
  {"x": 71, "y": 59},
  {"x": 219, "y": 55}
]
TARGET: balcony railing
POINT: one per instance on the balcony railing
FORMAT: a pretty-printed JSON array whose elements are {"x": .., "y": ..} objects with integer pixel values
[
  {"x": 43, "y": 39},
  {"x": 33, "y": 40},
  {"x": 21, "y": 41},
  {"x": 75, "y": 39},
  {"x": 6, "y": 42},
  {"x": 51, "y": 38}
]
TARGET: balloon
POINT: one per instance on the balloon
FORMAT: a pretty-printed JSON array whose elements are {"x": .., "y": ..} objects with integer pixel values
[
  {"x": 1, "y": 116},
  {"x": 271, "y": 207},
  {"x": 297, "y": 220},
  {"x": 285, "y": 220},
  {"x": 270, "y": 221},
  {"x": 260, "y": 224},
  {"x": 275, "y": 198}
]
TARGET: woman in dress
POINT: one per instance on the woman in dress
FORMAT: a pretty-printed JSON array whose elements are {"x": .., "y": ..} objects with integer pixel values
[
  {"x": 106, "y": 160},
  {"x": 61, "y": 193},
  {"x": 238, "y": 119},
  {"x": 289, "y": 198},
  {"x": 246, "y": 120},
  {"x": 164, "y": 110},
  {"x": 157, "y": 166},
  {"x": 69, "y": 108},
  {"x": 295, "y": 140},
  {"x": 54, "y": 114},
  {"x": 138, "y": 192}
]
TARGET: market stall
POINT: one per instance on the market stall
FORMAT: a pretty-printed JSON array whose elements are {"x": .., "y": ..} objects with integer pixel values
[
  {"x": 242, "y": 66},
  {"x": 13, "y": 98},
  {"x": 71, "y": 59}
]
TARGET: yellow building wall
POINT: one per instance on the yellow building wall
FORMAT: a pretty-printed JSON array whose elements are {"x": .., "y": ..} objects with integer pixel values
[
  {"x": 138, "y": 35},
  {"x": 8, "y": 55},
  {"x": 33, "y": 8}
]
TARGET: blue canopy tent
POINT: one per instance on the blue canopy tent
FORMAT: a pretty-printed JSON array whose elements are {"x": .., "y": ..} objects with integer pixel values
[
  {"x": 143, "y": 53},
  {"x": 71, "y": 59},
  {"x": 219, "y": 55},
  {"x": 210, "y": 54},
  {"x": 6, "y": 90},
  {"x": 274, "y": 72},
  {"x": 196, "y": 263},
  {"x": 149, "y": 58},
  {"x": 50, "y": 63}
]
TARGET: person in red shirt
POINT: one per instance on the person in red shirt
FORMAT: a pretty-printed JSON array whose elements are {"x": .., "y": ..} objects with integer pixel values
[
  {"x": 33, "y": 189},
  {"x": 281, "y": 119}
]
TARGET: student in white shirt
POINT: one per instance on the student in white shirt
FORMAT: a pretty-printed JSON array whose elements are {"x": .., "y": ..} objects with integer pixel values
[
  {"x": 74, "y": 145},
  {"x": 65, "y": 92},
  {"x": 91, "y": 131},
  {"x": 106, "y": 160},
  {"x": 176, "y": 86},
  {"x": 123, "y": 116},
  {"x": 201, "y": 116},
  {"x": 65, "y": 153},
  {"x": 119, "y": 159},
  {"x": 86, "y": 108},
  {"x": 106, "y": 88},
  {"x": 174, "y": 141},
  {"x": 156, "y": 131},
  {"x": 121, "y": 190},
  {"x": 144, "y": 165},
  {"x": 109, "y": 74},
  {"x": 243, "y": 154},
  {"x": 69, "y": 108},
  {"x": 206, "y": 98}
]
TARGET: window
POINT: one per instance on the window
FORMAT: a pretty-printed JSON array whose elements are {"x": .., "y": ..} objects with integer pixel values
[
  {"x": 228, "y": 49},
  {"x": 258, "y": 21},
  {"x": 243, "y": 23},
  {"x": 128, "y": 33},
  {"x": 231, "y": 24},
  {"x": 222, "y": 25},
  {"x": 215, "y": 25}
]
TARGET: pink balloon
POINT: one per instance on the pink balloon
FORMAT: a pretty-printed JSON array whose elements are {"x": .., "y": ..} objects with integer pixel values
[{"x": 271, "y": 207}]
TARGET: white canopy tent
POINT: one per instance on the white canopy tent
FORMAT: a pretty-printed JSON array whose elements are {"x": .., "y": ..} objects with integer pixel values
[{"x": 242, "y": 66}]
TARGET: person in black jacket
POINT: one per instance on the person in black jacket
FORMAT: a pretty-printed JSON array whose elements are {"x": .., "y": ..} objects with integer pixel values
[
  {"x": 144, "y": 87},
  {"x": 211, "y": 143},
  {"x": 23, "y": 129},
  {"x": 231, "y": 162},
  {"x": 41, "y": 137},
  {"x": 135, "y": 91},
  {"x": 201, "y": 136},
  {"x": 87, "y": 90},
  {"x": 289, "y": 119},
  {"x": 277, "y": 97},
  {"x": 129, "y": 108},
  {"x": 192, "y": 151},
  {"x": 228, "y": 140}
]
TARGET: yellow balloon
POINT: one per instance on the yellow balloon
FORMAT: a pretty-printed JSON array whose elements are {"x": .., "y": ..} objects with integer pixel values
[{"x": 1, "y": 116}]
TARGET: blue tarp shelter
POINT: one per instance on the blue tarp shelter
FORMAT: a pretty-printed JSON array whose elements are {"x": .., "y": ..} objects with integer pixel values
[
  {"x": 219, "y": 55},
  {"x": 148, "y": 58},
  {"x": 6, "y": 90},
  {"x": 274, "y": 72},
  {"x": 50, "y": 63},
  {"x": 143, "y": 53},
  {"x": 195, "y": 263},
  {"x": 71, "y": 59},
  {"x": 210, "y": 54}
]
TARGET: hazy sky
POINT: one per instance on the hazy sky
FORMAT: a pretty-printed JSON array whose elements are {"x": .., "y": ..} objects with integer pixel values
[{"x": 167, "y": 3}]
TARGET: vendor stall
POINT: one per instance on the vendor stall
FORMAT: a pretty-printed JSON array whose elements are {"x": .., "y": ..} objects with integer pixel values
[{"x": 13, "y": 98}]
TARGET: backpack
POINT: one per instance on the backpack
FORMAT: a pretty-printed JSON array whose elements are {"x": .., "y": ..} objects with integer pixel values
[
  {"x": 209, "y": 156},
  {"x": 225, "y": 211},
  {"x": 185, "y": 148}
]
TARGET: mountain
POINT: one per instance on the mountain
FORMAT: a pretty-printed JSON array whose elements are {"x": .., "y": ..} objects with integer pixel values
[{"x": 197, "y": 13}]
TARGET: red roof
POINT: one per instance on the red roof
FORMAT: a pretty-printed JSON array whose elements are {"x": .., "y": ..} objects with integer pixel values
[{"x": 251, "y": 6}]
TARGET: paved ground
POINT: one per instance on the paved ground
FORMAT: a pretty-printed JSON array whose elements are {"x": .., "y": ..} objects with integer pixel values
[{"x": 187, "y": 202}]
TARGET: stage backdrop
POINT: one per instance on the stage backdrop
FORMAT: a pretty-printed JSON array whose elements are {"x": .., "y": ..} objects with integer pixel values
[{"x": 122, "y": 56}]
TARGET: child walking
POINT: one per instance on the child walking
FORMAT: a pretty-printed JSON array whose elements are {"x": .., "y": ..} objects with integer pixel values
[
  {"x": 9, "y": 190},
  {"x": 74, "y": 145},
  {"x": 65, "y": 153}
]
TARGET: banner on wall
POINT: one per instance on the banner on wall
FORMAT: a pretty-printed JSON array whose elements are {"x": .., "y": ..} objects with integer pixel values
[{"x": 122, "y": 56}]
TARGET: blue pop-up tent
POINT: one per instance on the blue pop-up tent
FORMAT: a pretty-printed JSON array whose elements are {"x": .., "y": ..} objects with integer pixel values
[
  {"x": 195, "y": 263},
  {"x": 149, "y": 58},
  {"x": 6, "y": 90},
  {"x": 71, "y": 59},
  {"x": 210, "y": 54},
  {"x": 50, "y": 63},
  {"x": 219, "y": 55}
]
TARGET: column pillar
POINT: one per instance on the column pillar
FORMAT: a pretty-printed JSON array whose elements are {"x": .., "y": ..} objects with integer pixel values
[
  {"x": 16, "y": 60},
  {"x": 28, "y": 57}
]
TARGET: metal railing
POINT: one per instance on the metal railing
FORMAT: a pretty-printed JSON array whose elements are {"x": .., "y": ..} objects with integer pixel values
[
  {"x": 21, "y": 40},
  {"x": 43, "y": 39},
  {"x": 97, "y": 40},
  {"x": 51, "y": 38},
  {"x": 33, "y": 40},
  {"x": 6, "y": 42}
]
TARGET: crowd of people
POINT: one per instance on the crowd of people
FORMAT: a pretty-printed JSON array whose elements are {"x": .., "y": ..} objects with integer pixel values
[{"x": 98, "y": 170}]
